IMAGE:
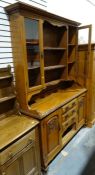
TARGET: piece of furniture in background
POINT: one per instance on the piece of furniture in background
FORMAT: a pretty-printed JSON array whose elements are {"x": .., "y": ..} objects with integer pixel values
[
  {"x": 45, "y": 60},
  {"x": 87, "y": 79},
  {"x": 19, "y": 137}
]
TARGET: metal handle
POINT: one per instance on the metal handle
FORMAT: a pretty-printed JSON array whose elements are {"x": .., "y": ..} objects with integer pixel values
[{"x": 10, "y": 155}]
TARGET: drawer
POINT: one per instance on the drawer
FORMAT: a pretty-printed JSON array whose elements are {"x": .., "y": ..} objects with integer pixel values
[
  {"x": 69, "y": 114},
  {"x": 70, "y": 121},
  {"x": 17, "y": 147},
  {"x": 69, "y": 106}
]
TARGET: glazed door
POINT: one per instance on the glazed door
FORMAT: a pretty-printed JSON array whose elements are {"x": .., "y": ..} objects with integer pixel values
[
  {"x": 34, "y": 46},
  {"x": 51, "y": 136},
  {"x": 85, "y": 65},
  {"x": 84, "y": 59}
]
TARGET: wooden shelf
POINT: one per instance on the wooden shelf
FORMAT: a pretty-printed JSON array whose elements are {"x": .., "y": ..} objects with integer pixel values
[
  {"x": 33, "y": 67},
  {"x": 32, "y": 42},
  {"x": 54, "y": 82},
  {"x": 71, "y": 62},
  {"x": 54, "y": 48},
  {"x": 54, "y": 67},
  {"x": 70, "y": 44},
  {"x": 7, "y": 98},
  {"x": 5, "y": 77}
]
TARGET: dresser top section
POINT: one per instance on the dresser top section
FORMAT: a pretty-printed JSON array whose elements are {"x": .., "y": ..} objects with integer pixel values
[{"x": 22, "y": 8}]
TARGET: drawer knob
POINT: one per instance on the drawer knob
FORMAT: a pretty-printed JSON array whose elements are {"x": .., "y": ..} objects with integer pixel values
[
  {"x": 30, "y": 140},
  {"x": 10, "y": 155}
]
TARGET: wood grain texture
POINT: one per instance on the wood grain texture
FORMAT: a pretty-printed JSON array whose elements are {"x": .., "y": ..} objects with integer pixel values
[{"x": 13, "y": 127}]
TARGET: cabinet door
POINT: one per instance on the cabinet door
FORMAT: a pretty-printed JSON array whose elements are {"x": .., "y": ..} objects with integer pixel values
[
  {"x": 30, "y": 161},
  {"x": 81, "y": 109},
  {"x": 51, "y": 140},
  {"x": 34, "y": 47},
  {"x": 12, "y": 169}
]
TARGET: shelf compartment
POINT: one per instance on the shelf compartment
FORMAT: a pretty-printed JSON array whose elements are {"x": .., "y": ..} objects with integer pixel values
[
  {"x": 54, "y": 36},
  {"x": 3, "y": 99},
  {"x": 34, "y": 77},
  {"x": 55, "y": 57},
  {"x": 72, "y": 35},
  {"x": 71, "y": 71},
  {"x": 54, "y": 74},
  {"x": 54, "y": 67},
  {"x": 7, "y": 103}
]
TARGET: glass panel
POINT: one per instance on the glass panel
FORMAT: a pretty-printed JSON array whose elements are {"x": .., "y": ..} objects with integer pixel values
[
  {"x": 33, "y": 51},
  {"x": 83, "y": 36}
]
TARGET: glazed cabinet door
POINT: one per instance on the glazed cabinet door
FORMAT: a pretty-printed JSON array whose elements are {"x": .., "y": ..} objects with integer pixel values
[
  {"x": 51, "y": 140},
  {"x": 34, "y": 48},
  {"x": 81, "y": 109}
]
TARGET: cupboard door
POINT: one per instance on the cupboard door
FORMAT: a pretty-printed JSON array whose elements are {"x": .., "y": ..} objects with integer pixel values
[
  {"x": 84, "y": 61},
  {"x": 12, "y": 169},
  {"x": 30, "y": 161},
  {"x": 81, "y": 108},
  {"x": 34, "y": 46},
  {"x": 51, "y": 136}
]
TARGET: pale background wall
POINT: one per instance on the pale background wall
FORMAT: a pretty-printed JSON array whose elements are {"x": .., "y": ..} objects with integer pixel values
[
  {"x": 5, "y": 35},
  {"x": 82, "y": 11}
]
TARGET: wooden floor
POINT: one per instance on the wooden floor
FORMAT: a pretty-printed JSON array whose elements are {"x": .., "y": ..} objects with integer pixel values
[{"x": 78, "y": 157}]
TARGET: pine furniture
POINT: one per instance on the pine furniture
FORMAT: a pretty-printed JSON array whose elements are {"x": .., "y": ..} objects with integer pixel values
[
  {"x": 45, "y": 52},
  {"x": 19, "y": 137}
]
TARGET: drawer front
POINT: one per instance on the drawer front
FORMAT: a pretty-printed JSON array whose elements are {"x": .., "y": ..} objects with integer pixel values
[
  {"x": 69, "y": 106},
  {"x": 16, "y": 147},
  {"x": 69, "y": 114},
  {"x": 72, "y": 120}
]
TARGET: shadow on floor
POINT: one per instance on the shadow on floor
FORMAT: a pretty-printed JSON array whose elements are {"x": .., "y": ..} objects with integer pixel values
[{"x": 89, "y": 169}]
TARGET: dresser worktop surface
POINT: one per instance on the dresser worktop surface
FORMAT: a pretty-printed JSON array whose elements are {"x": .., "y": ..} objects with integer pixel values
[
  {"x": 13, "y": 127},
  {"x": 48, "y": 104}
]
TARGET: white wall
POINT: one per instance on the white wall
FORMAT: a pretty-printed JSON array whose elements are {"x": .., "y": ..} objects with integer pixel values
[
  {"x": 6, "y": 57},
  {"x": 82, "y": 11}
]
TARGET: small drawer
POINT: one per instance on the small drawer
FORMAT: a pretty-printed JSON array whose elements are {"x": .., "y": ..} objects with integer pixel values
[
  {"x": 17, "y": 147},
  {"x": 70, "y": 121},
  {"x": 69, "y": 106},
  {"x": 69, "y": 114}
]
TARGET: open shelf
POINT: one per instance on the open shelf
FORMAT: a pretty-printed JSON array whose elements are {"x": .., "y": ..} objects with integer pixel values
[
  {"x": 3, "y": 99},
  {"x": 53, "y": 75},
  {"x": 71, "y": 62},
  {"x": 34, "y": 77},
  {"x": 54, "y": 82},
  {"x": 5, "y": 77},
  {"x": 54, "y": 36},
  {"x": 72, "y": 35},
  {"x": 33, "y": 67},
  {"x": 71, "y": 45},
  {"x": 32, "y": 42},
  {"x": 54, "y": 48},
  {"x": 54, "y": 67}
]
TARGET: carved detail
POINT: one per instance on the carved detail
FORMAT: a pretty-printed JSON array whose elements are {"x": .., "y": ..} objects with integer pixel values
[{"x": 53, "y": 124}]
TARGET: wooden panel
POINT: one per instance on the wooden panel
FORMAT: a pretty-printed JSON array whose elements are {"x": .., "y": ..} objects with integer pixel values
[
  {"x": 13, "y": 169},
  {"x": 50, "y": 131}
]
